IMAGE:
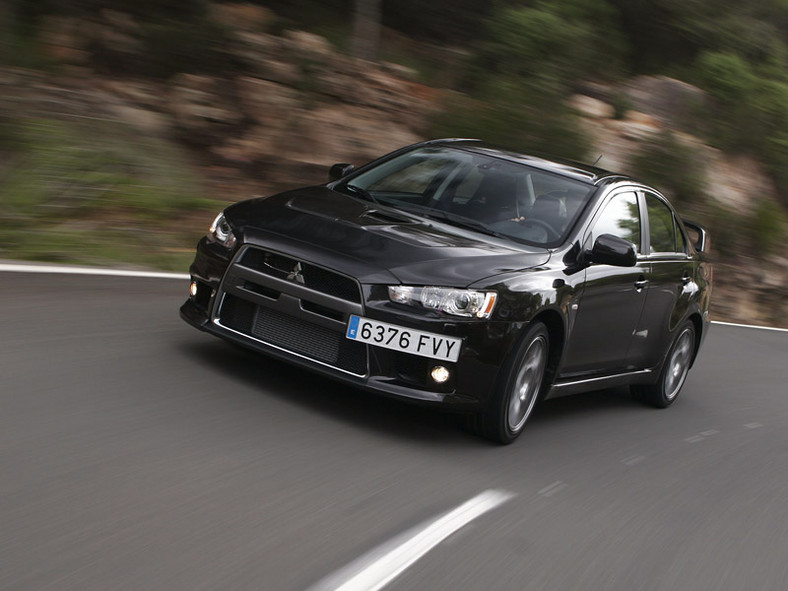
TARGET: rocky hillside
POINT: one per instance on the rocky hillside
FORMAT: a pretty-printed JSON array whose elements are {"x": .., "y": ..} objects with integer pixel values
[
  {"x": 293, "y": 105},
  {"x": 290, "y": 106}
]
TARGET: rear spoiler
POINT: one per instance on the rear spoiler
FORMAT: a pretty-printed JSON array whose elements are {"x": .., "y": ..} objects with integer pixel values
[{"x": 697, "y": 235}]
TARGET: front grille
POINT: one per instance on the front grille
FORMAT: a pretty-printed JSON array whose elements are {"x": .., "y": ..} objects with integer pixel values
[
  {"x": 314, "y": 277},
  {"x": 237, "y": 314},
  {"x": 294, "y": 334}
]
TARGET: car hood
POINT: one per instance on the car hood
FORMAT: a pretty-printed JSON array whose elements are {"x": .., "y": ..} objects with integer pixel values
[{"x": 375, "y": 243}]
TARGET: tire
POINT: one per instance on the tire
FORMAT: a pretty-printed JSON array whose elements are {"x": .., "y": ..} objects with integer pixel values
[
  {"x": 674, "y": 372},
  {"x": 519, "y": 388}
]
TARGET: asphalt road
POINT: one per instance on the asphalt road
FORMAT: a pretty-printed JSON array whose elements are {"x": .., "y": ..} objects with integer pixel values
[{"x": 138, "y": 453}]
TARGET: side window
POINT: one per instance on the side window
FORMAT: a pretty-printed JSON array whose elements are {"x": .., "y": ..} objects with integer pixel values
[
  {"x": 620, "y": 217},
  {"x": 661, "y": 226}
]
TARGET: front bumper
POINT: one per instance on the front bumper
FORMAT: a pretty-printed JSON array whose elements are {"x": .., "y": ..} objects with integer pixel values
[{"x": 251, "y": 301}]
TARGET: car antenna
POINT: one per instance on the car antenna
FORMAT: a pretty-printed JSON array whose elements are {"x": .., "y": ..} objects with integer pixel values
[{"x": 597, "y": 160}]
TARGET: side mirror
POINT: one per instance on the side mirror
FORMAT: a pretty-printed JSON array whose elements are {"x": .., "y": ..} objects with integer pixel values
[
  {"x": 337, "y": 171},
  {"x": 612, "y": 250},
  {"x": 697, "y": 235}
]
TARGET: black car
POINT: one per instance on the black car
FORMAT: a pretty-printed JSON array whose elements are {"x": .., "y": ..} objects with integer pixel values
[{"x": 455, "y": 273}]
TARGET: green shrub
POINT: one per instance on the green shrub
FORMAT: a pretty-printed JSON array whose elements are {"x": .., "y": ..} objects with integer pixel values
[
  {"x": 173, "y": 47},
  {"x": 725, "y": 230},
  {"x": 621, "y": 104},
  {"x": 515, "y": 121},
  {"x": 776, "y": 158},
  {"x": 726, "y": 76},
  {"x": 563, "y": 40},
  {"x": 672, "y": 167},
  {"x": 31, "y": 11},
  {"x": 767, "y": 228},
  {"x": 169, "y": 47},
  {"x": 751, "y": 114},
  {"x": 19, "y": 46}
]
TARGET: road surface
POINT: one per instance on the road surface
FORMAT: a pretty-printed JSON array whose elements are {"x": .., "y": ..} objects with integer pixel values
[{"x": 138, "y": 453}]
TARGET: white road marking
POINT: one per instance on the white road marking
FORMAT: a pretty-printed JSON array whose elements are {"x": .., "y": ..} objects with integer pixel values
[
  {"x": 749, "y": 326},
  {"x": 632, "y": 460},
  {"x": 752, "y": 425},
  {"x": 378, "y": 568},
  {"x": 552, "y": 489},
  {"x": 67, "y": 270},
  {"x": 701, "y": 436}
]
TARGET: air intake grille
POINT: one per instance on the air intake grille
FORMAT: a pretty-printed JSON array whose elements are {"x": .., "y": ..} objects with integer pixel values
[
  {"x": 297, "y": 335},
  {"x": 314, "y": 277}
]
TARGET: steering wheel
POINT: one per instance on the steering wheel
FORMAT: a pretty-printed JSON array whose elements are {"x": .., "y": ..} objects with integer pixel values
[{"x": 552, "y": 234}]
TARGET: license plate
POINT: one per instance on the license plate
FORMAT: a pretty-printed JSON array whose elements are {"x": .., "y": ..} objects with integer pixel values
[{"x": 407, "y": 340}]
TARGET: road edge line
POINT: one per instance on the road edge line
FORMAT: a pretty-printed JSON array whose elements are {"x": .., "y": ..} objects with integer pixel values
[
  {"x": 774, "y": 328},
  {"x": 101, "y": 271}
]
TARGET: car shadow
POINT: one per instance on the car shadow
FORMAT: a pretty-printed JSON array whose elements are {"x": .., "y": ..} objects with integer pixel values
[
  {"x": 379, "y": 414},
  {"x": 593, "y": 402},
  {"x": 318, "y": 394}
]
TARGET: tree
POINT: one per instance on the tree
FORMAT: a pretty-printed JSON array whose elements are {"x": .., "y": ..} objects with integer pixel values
[
  {"x": 563, "y": 41},
  {"x": 366, "y": 29}
]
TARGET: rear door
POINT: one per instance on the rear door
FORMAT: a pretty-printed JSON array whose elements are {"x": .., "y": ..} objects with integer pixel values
[{"x": 671, "y": 282}]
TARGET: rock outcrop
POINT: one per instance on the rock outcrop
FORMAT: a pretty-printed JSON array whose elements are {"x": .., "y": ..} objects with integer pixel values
[{"x": 294, "y": 106}]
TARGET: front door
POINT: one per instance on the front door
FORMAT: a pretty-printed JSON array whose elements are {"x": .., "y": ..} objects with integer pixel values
[{"x": 612, "y": 299}]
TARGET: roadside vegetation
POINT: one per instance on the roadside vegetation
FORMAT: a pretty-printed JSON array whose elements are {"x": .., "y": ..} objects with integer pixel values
[
  {"x": 98, "y": 191},
  {"x": 93, "y": 192}
]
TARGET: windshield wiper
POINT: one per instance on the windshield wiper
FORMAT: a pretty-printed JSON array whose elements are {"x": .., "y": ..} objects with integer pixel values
[
  {"x": 467, "y": 223},
  {"x": 361, "y": 192},
  {"x": 454, "y": 220}
]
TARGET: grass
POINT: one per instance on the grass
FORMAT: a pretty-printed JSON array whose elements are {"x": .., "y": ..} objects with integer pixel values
[{"x": 96, "y": 192}]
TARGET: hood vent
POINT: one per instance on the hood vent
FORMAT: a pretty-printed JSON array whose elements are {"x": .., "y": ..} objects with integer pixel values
[{"x": 385, "y": 218}]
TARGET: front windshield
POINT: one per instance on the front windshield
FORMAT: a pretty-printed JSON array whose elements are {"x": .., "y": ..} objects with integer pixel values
[{"x": 477, "y": 191}]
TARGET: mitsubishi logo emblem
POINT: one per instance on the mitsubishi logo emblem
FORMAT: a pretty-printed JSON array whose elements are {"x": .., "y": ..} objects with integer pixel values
[{"x": 296, "y": 274}]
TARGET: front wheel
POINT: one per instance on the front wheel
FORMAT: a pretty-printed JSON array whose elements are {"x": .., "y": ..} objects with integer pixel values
[
  {"x": 517, "y": 392},
  {"x": 674, "y": 373}
]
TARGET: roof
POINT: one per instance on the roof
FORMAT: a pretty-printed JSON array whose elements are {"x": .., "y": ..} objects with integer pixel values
[{"x": 582, "y": 172}]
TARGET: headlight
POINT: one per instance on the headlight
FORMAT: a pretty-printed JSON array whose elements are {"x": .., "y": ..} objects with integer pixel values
[
  {"x": 459, "y": 302},
  {"x": 221, "y": 232}
]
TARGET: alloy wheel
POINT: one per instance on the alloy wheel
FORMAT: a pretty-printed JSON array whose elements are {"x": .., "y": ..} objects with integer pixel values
[{"x": 527, "y": 384}]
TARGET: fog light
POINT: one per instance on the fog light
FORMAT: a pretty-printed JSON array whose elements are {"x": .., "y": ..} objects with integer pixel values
[
  {"x": 193, "y": 288},
  {"x": 439, "y": 374}
]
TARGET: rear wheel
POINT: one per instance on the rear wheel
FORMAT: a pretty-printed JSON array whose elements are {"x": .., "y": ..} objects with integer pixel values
[
  {"x": 674, "y": 373},
  {"x": 517, "y": 393}
]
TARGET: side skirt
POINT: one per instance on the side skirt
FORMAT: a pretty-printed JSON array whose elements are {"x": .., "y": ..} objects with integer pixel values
[{"x": 559, "y": 389}]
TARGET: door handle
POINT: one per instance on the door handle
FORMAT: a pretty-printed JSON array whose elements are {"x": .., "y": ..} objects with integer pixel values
[
  {"x": 686, "y": 278},
  {"x": 641, "y": 283}
]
